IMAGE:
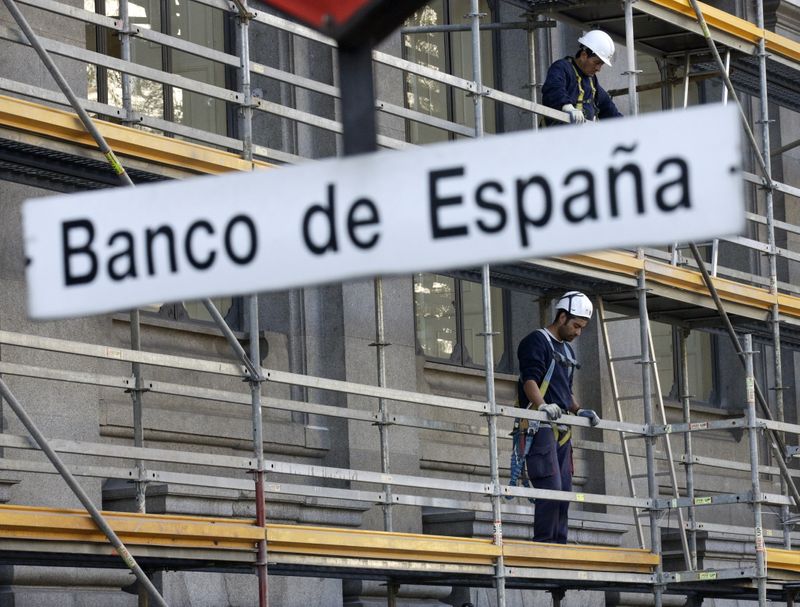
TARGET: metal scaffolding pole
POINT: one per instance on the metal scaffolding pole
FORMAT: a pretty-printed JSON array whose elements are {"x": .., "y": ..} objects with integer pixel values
[
  {"x": 497, "y": 527},
  {"x": 687, "y": 442},
  {"x": 631, "y": 54},
  {"x": 771, "y": 240},
  {"x": 138, "y": 423},
  {"x": 247, "y": 104},
  {"x": 383, "y": 426},
  {"x": 254, "y": 376},
  {"x": 533, "y": 78},
  {"x": 84, "y": 498},
  {"x": 647, "y": 402},
  {"x": 125, "y": 55},
  {"x": 258, "y": 450},
  {"x": 752, "y": 431},
  {"x": 497, "y": 533}
]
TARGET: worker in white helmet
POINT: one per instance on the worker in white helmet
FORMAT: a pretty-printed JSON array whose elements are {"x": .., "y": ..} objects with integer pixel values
[
  {"x": 546, "y": 368},
  {"x": 571, "y": 84}
]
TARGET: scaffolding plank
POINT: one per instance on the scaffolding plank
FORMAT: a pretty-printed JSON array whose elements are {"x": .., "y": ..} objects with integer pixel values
[{"x": 126, "y": 141}]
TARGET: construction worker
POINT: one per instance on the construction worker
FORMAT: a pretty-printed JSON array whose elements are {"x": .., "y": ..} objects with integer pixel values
[
  {"x": 546, "y": 368},
  {"x": 571, "y": 84}
]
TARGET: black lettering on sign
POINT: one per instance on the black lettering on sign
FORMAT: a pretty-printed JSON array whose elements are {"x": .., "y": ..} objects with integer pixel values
[
  {"x": 681, "y": 197},
  {"x": 436, "y": 202},
  {"x": 589, "y": 206},
  {"x": 70, "y": 250},
  {"x": 491, "y": 205},
  {"x": 188, "y": 245},
  {"x": 126, "y": 256},
  {"x": 326, "y": 215},
  {"x": 150, "y": 238},
  {"x": 523, "y": 217},
  {"x": 357, "y": 219},
  {"x": 252, "y": 246}
]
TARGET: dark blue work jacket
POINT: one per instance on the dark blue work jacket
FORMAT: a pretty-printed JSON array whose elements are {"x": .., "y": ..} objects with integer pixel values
[{"x": 564, "y": 84}]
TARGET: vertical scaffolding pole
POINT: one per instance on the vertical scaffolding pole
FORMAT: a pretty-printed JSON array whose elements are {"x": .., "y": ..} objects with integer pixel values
[
  {"x": 383, "y": 426},
  {"x": 533, "y": 72},
  {"x": 125, "y": 55},
  {"x": 715, "y": 242},
  {"x": 752, "y": 431},
  {"x": 138, "y": 422},
  {"x": 497, "y": 527},
  {"x": 247, "y": 105},
  {"x": 647, "y": 402},
  {"x": 773, "y": 249},
  {"x": 631, "y": 54},
  {"x": 687, "y": 442},
  {"x": 258, "y": 449}
]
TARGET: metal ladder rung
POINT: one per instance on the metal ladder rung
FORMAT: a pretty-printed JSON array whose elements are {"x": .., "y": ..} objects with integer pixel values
[
  {"x": 644, "y": 475},
  {"x": 617, "y": 359},
  {"x": 635, "y": 397}
]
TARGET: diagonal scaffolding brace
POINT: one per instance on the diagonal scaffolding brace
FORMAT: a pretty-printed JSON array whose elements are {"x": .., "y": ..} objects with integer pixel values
[{"x": 79, "y": 492}]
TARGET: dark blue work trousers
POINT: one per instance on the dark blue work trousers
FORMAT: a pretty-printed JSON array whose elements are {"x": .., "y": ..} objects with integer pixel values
[{"x": 550, "y": 467}]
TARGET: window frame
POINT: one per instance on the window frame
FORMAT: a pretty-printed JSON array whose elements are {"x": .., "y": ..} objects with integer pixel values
[
  {"x": 229, "y": 34},
  {"x": 505, "y": 360},
  {"x": 450, "y": 99}
]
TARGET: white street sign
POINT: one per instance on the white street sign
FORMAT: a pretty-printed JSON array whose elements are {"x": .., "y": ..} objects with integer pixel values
[{"x": 649, "y": 180}]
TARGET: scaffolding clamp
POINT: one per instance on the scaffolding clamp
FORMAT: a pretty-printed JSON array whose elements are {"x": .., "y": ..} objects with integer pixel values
[
  {"x": 245, "y": 14},
  {"x": 131, "y": 31},
  {"x": 133, "y": 389}
]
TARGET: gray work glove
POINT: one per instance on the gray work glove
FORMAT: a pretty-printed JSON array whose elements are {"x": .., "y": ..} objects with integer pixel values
[
  {"x": 593, "y": 418},
  {"x": 575, "y": 115},
  {"x": 552, "y": 410}
]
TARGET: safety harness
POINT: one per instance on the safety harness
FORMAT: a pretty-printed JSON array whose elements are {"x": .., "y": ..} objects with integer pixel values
[{"x": 524, "y": 429}]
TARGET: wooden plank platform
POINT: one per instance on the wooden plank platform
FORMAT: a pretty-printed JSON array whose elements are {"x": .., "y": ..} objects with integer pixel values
[{"x": 36, "y": 530}]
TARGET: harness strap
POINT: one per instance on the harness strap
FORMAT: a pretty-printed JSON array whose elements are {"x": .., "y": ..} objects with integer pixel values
[
  {"x": 560, "y": 437},
  {"x": 581, "y": 92}
]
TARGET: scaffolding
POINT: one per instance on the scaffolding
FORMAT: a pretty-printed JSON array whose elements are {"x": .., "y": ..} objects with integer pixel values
[{"x": 685, "y": 37}]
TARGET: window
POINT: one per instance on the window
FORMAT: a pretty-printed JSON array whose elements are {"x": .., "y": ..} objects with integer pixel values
[
  {"x": 449, "y": 53},
  {"x": 183, "y": 19},
  {"x": 701, "y": 353},
  {"x": 449, "y": 321}
]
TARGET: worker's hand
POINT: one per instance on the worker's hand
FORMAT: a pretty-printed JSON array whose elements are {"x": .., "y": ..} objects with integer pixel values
[
  {"x": 593, "y": 418},
  {"x": 552, "y": 410},
  {"x": 575, "y": 115}
]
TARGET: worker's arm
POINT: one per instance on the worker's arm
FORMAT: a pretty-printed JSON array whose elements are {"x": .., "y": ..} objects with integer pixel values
[
  {"x": 605, "y": 105},
  {"x": 533, "y": 393},
  {"x": 555, "y": 92}
]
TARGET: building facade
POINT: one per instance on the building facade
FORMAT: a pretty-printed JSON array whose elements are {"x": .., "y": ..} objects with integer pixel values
[{"x": 164, "y": 78}]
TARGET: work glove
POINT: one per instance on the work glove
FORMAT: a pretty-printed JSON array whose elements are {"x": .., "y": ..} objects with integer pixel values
[
  {"x": 593, "y": 418},
  {"x": 575, "y": 115},
  {"x": 552, "y": 410}
]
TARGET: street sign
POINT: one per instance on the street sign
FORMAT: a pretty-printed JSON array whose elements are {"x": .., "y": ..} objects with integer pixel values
[
  {"x": 350, "y": 21},
  {"x": 650, "y": 180}
]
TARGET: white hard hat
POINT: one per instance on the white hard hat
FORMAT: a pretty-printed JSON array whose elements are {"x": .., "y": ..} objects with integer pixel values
[
  {"x": 600, "y": 44},
  {"x": 575, "y": 303}
]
